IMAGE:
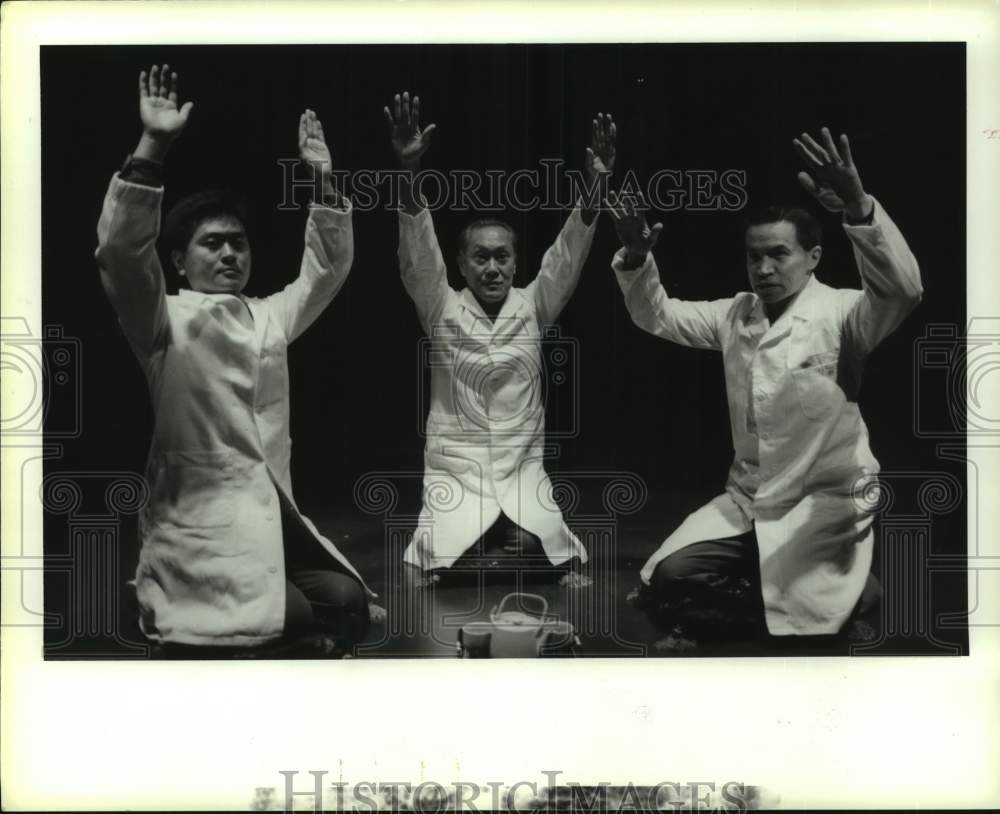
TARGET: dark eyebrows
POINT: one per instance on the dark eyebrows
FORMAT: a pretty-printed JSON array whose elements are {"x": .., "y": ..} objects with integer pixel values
[
  {"x": 478, "y": 248},
  {"x": 232, "y": 234}
]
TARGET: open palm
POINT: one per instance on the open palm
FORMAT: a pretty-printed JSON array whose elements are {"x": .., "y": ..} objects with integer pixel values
[
  {"x": 409, "y": 142},
  {"x": 636, "y": 235},
  {"x": 312, "y": 142},
  {"x": 832, "y": 178},
  {"x": 601, "y": 152},
  {"x": 158, "y": 108}
]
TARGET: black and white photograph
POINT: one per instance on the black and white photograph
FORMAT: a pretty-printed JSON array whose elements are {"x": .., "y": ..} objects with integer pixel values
[
  {"x": 354, "y": 357},
  {"x": 443, "y": 287}
]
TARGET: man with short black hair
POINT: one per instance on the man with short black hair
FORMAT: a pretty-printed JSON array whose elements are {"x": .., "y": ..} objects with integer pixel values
[
  {"x": 790, "y": 526},
  {"x": 227, "y": 559},
  {"x": 484, "y": 478}
]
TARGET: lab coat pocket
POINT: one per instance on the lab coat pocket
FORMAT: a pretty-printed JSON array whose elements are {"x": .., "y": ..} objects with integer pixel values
[
  {"x": 816, "y": 384},
  {"x": 195, "y": 489}
]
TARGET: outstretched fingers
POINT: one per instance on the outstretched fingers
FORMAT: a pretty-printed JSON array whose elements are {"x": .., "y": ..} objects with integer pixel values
[
  {"x": 808, "y": 184},
  {"x": 806, "y": 154},
  {"x": 165, "y": 81},
  {"x": 405, "y": 109},
  {"x": 154, "y": 81},
  {"x": 172, "y": 94},
  {"x": 303, "y": 130},
  {"x": 817, "y": 151},
  {"x": 830, "y": 147},
  {"x": 614, "y": 206},
  {"x": 845, "y": 148}
]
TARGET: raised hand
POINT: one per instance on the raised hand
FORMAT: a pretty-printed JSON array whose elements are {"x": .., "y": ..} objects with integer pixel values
[
  {"x": 601, "y": 152},
  {"x": 312, "y": 143},
  {"x": 162, "y": 120},
  {"x": 636, "y": 235},
  {"x": 832, "y": 178},
  {"x": 409, "y": 142}
]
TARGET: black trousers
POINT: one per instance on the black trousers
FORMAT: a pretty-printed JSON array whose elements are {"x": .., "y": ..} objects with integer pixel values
[
  {"x": 506, "y": 543},
  {"x": 320, "y": 595},
  {"x": 711, "y": 590}
]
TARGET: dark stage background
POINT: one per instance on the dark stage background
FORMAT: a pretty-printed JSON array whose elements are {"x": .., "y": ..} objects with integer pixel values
[{"x": 644, "y": 406}]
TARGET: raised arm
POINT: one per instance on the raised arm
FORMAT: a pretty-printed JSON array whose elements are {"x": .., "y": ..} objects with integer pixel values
[
  {"x": 421, "y": 265},
  {"x": 329, "y": 240},
  {"x": 890, "y": 276},
  {"x": 695, "y": 324},
  {"x": 563, "y": 262},
  {"x": 130, "y": 218}
]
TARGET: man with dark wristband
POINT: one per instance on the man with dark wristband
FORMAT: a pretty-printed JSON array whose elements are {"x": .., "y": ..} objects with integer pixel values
[
  {"x": 227, "y": 558},
  {"x": 792, "y": 530}
]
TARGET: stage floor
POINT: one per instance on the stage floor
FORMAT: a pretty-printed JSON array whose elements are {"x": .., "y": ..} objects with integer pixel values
[{"x": 425, "y": 623}]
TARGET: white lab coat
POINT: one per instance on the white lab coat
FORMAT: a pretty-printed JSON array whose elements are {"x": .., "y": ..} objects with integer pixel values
[
  {"x": 486, "y": 425},
  {"x": 211, "y": 568},
  {"x": 801, "y": 447}
]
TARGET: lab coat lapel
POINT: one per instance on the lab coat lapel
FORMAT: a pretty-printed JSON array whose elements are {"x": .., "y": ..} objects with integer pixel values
[
  {"x": 512, "y": 307},
  {"x": 259, "y": 314},
  {"x": 799, "y": 311},
  {"x": 754, "y": 325}
]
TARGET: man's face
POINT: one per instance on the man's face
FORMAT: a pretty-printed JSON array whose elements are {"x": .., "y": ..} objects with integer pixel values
[
  {"x": 777, "y": 264},
  {"x": 488, "y": 263},
  {"x": 217, "y": 258}
]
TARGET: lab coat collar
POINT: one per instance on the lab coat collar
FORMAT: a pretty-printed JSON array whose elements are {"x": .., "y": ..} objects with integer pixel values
[
  {"x": 804, "y": 307},
  {"x": 802, "y": 310},
  {"x": 513, "y": 305},
  {"x": 258, "y": 313},
  {"x": 191, "y": 294}
]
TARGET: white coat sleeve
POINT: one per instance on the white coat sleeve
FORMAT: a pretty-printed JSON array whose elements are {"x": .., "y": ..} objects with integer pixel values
[
  {"x": 561, "y": 266},
  {"x": 890, "y": 279},
  {"x": 130, "y": 269},
  {"x": 326, "y": 262},
  {"x": 694, "y": 324},
  {"x": 422, "y": 268}
]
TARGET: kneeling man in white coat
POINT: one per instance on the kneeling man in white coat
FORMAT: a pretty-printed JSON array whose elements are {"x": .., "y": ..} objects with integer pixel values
[
  {"x": 227, "y": 559},
  {"x": 791, "y": 524},
  {"x": 484, "y": 479}
]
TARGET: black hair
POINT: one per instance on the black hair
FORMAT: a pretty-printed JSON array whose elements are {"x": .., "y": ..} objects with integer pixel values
[
  {"x": 808, "y": 232},
  {"x": 189, "y": 213},
  {"x": 485, "y": 223}
]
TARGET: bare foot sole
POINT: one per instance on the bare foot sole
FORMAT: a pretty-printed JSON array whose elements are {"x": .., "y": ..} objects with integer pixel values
[
  {"x": 861, "y": 631},
  {"x": 575, "y": 581},
  {"x": 424, "y": 582},
  {"x": 674, "y": 643}
]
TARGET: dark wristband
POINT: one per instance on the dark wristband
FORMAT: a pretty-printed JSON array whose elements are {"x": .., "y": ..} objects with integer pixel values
[
  {"x": 868, "y": 220},
  {"x": 143, "y": 171}
]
